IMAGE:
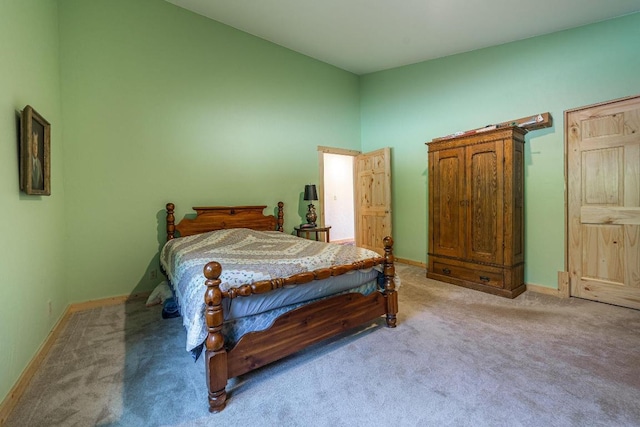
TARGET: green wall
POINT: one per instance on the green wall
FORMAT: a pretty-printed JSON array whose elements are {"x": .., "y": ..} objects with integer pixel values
[
  {"x": 408, "y": 106},
  {"x": 33, "y": 227},
  {"x": 160, "y": 105}
]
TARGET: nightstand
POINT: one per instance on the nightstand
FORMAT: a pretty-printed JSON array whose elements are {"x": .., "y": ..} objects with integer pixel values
[{"x": 306, "y": 232}]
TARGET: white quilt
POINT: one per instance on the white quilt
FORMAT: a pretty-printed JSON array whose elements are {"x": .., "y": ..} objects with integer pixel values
[{"x": 246, "y": 256}]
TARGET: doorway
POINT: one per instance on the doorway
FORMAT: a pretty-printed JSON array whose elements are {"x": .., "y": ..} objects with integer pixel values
[
  {"x": 337, "y": 196},
  {"x": 360, "y": 205}
]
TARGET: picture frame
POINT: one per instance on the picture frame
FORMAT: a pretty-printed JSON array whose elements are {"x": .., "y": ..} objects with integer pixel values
[{"x": 35, "y": 153}]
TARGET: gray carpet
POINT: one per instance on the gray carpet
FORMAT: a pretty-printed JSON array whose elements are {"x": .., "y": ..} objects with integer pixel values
[{"x": 457, "y": 358}]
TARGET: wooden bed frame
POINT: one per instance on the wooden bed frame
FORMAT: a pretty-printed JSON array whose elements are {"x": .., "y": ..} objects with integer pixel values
[{"x": 292, "y": 331}]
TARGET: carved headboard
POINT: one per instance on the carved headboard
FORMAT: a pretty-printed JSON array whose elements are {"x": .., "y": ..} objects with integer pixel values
[{"x": 210, "y": 218}]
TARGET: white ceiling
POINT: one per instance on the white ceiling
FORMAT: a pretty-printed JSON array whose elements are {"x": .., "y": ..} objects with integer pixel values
[{"x": 363, "y": 36}]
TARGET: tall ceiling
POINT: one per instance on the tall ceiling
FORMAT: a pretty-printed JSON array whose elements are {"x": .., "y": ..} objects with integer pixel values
[{"x": 364, "y": 36}]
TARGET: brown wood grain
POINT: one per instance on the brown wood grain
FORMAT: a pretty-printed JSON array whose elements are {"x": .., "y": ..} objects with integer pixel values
[
  {"x": 211, "y": 218},
  {"x": 302, "y": 327},
  {"x": 481, "y": 244}
]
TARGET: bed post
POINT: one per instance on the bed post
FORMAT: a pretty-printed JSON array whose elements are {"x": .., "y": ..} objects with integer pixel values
[
  {"x": 171, "y": 228},
  {"x": 389, "y": 285},
  {"x": 215, "y": 355},
  {"x": 280, "y": 216}
]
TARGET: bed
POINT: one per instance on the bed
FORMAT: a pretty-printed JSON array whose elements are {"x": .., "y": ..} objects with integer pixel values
[{"x": 303, "y": 294}]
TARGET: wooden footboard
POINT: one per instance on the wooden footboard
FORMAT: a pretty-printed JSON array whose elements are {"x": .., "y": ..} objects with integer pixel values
[{"x": 294, "y": 330}]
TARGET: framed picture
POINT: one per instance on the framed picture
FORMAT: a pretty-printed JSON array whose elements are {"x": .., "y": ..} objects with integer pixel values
[{"x": 35, "y": 153}]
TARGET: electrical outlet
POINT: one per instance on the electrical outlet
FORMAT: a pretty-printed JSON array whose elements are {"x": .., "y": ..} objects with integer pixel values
[{"x": 153, "y": 274}]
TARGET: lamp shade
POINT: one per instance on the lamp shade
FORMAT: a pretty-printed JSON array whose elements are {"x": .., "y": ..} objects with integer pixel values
[{"x": 310, "y": 192}]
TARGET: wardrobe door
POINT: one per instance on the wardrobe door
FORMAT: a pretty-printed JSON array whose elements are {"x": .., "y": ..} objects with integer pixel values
[
  {"x": 447, "y": 200},
  {"x": 485, "y": 215}
]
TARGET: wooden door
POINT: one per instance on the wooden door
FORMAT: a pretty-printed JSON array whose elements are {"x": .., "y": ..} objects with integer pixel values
[
  {"x": 373, "y": 198},
  {"x": 485, "y": 214},
  {"x": 448, "y": 202},
  {"x": 603, "y": 179}
]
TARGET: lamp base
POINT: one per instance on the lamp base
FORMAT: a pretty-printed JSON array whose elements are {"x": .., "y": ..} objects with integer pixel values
[{"x": 311, "y": 216}]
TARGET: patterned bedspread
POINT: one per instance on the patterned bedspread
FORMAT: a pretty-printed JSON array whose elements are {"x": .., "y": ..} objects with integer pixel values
[{"x": 246, "y": 256}]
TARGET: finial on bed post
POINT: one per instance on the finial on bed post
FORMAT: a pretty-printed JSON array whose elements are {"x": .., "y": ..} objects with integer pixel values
[
  {"x": 171, "y": 228},
  {"x": 215, "y": 354},
  {"x": 389, "y": 284},
  {"x": 280, "y": 216}
]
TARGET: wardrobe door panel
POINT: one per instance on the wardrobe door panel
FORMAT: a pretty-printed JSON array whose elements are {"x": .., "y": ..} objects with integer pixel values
[
  {"x": 448, "y": 203},
  {"x": 485, "y": 220}
]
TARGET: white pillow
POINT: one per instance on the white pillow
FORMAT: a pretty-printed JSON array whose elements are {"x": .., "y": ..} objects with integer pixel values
[{"x": 160, "y": 294}]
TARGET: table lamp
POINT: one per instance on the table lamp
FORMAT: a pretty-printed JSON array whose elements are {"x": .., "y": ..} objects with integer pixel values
[{"x": 310, "y": 194}]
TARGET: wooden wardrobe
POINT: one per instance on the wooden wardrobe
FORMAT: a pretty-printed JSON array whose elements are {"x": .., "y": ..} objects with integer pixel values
[{"x": 476, "y": 211}]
